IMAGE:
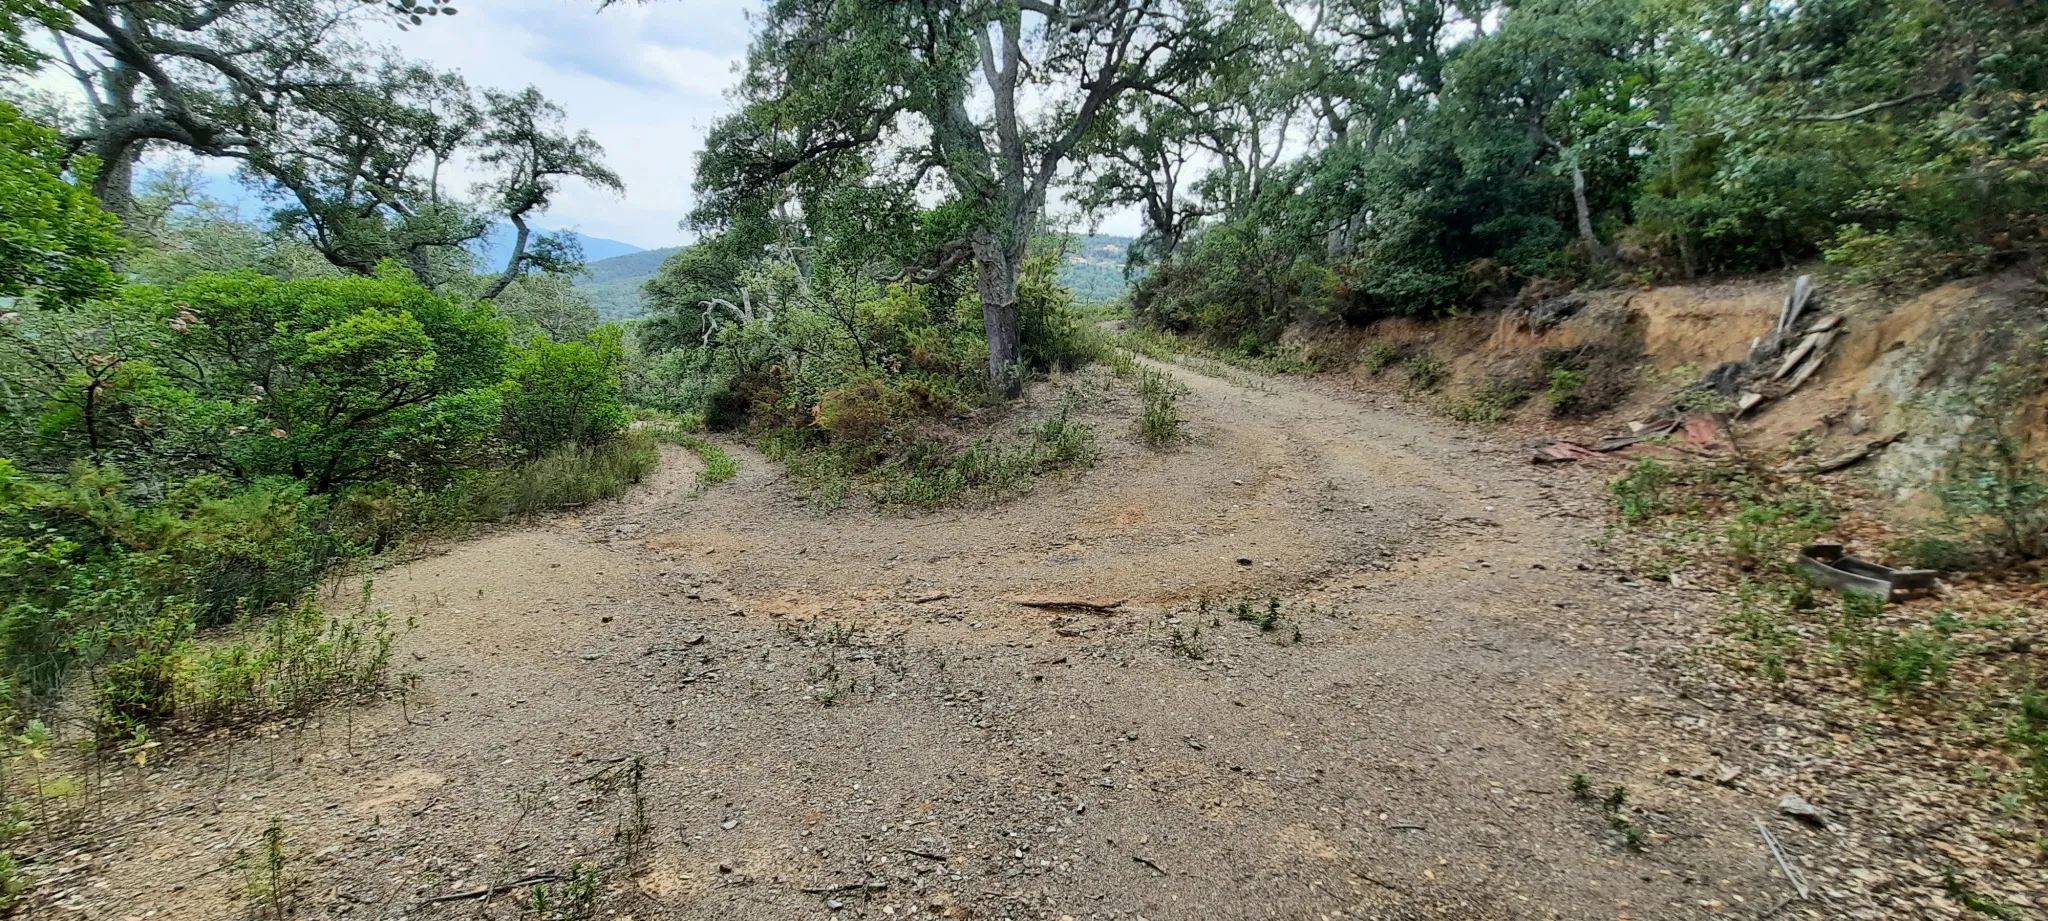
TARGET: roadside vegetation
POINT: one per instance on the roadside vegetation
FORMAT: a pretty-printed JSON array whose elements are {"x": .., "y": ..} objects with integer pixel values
[
  {"x": 1567, "y": 144},
  {"x": 1956, "y": 671},
  {"x": 205, "y": 419}
]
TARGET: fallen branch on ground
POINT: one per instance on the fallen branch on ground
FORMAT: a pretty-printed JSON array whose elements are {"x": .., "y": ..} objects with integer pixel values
[
  {"x": 1099, "y": 607},
  {"x": 1843, "y": 460},
  {"x": 492, "y": 890}
]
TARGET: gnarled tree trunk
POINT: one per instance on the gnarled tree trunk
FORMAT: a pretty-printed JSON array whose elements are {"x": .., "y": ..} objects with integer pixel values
[
  {"x": 998, "y": 264},
  {"x": 114, "y": 185}
]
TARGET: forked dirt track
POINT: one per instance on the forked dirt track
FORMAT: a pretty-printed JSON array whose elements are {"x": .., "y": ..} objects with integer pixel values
[{"x": 845, "y": 714}]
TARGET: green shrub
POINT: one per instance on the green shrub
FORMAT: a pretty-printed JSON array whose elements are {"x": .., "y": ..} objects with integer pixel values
[
  {"x": 2028, "y": 731},
  {"x": 87, "y": 578},
  {"x": 1159, "y": 422},
  {"x": 1050, "y": 332},
  {"x": 1492, "y": 401},
  {"x": 559, "y": 393},
  {"x": 1926, "y": 552},
  {"x": 1565, "y": 385},
  {"x": 928, "y": 473},
  {"x": 1763, "y": 533},
  {"x": 1426, "y": 371},
  {"x": 1644, "y": 492},
  {"x": 568, "y": 476},
  {"x": 336, "y": 382},
  {"x": 1379, "y": 356},
  {"x": 1994, "y": 488},
  {"x": 1061, "y": 443},
  {"x": 1702, "y": 400},
  {"x": 59, "y": 245},
  {"x": 1894, "y": 663},
  {"x": 299, "y": 660},
  {"x": 718, "y": 465},
  {"x": 862, "y": 412}
]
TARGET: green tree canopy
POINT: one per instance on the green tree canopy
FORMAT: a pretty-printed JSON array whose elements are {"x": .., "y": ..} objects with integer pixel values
[{"x": 56, "y": 245}]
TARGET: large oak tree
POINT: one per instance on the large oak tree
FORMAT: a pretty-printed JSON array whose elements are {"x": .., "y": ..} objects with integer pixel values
[{"x": 995, "y": 97}]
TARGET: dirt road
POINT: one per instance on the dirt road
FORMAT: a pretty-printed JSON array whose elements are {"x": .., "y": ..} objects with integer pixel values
[{"x": 846, "y": 715}]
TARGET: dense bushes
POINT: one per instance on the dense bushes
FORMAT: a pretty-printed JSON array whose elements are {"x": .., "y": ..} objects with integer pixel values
[
  {"x": 848, "y": 377},
  {"x": 180, "y": 458},
  {"x": 1592, "y": 141},
  {"x": 559, "y": 393}
]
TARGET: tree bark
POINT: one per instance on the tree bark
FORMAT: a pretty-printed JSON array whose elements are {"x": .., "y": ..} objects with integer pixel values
[
  {"x": 998, "y": 264},
  {"x": 114, "y": 186},
  {"x": 1585, "y": 213},
  {"x": 512, "y": 266}
]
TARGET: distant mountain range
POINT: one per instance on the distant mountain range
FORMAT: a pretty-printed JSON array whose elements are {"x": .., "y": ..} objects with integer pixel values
[
  {"x": 1093, "y": 269},
  {"x": 613, "y": 285},
  {"x": 496, "y": 246}
]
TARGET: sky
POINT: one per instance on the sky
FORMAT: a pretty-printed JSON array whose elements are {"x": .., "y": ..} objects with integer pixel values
[{"x": 646, "y": 79}]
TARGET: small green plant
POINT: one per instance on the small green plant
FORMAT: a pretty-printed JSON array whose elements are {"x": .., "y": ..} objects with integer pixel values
[
  {"x": 1645, "y": 491},
  {"x": 1491, "y": 402},
  {"x": 1928, "y": 552},
  {"x": 1758, "y": 619},
  {"x": 565, "y": 477},
  {"x": 718, "y": 465},
  {"x": 13, "y": 883},
  {"x": 1861, "y": 607},
  {"x": 1969, "y": 897},
  {"x": 1187, "y": 643},
  {"x": 1702, "y": 400},
  {"x": 1995, "y": 488},
  {"x": 1612, "y": 807},
  {"x": 633, "y": 826},
  {"x": 1159, "y": 422},
  {"x": 1565, "y": 385},
  {"x": 2028, "y": 731},
  {"x": 1896, "y": 663},
  {"x": 264, "y": 874},
  {"x": 1426, "y": 372},
  {"x": 302, "y": 658},
  {"x": 1268, "y": 618},
  {"x": 831, "y": 685},
  {"x": 1379, "y": 356},
  {"x": 573, "y": 899},
  {"x": 1761, "y": 534}
]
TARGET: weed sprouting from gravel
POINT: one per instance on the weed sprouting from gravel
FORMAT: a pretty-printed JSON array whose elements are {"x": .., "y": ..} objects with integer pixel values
[
  {"x": 572, "y": 899},
  {"x": 1159, "y": 422},
  {"x": 1267, "y": 618},
  {"x": 1613, "y": 807},
  {"x": 633, "y": 829},
  {"x": 265, "y": 874},
  {"x": 1644, "y": 492},
  {"x": 1970, "y": 898}
]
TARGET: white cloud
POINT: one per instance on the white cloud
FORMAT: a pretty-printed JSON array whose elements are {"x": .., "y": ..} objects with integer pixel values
[{"x": 646, "y": 79}]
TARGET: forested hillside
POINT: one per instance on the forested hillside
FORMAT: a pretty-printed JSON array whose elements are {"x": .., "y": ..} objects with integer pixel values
[
  {"x": 495, "y": 247},
  {"x": 1093, "y": 269},
  {"x": 613, "y": 284}
]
